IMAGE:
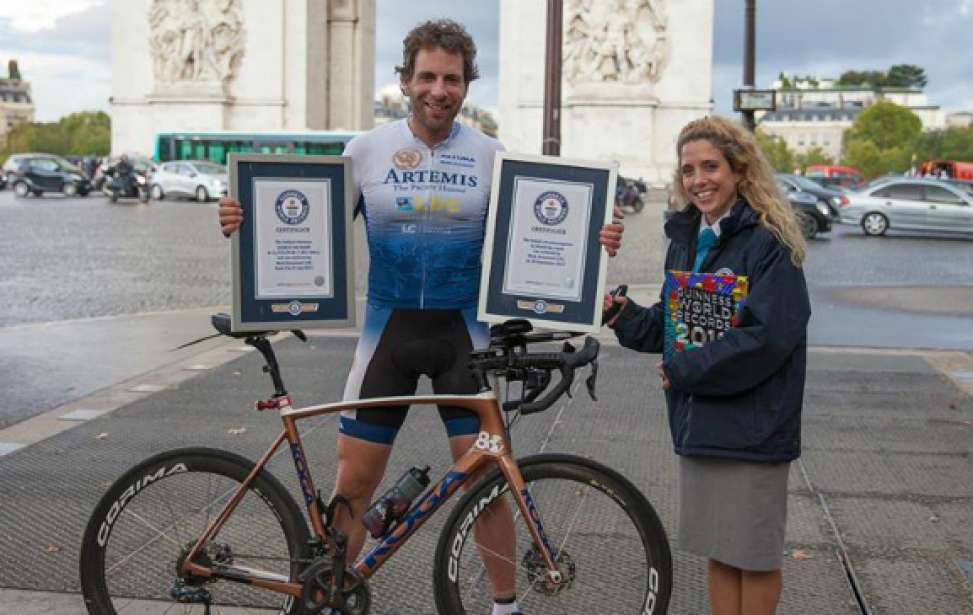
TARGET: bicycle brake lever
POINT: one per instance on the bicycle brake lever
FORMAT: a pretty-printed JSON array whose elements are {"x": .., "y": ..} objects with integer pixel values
[{"x": 591, "y": 379}]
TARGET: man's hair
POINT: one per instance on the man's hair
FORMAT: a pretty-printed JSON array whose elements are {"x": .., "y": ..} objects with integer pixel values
[{"x": 443, "y": 33}]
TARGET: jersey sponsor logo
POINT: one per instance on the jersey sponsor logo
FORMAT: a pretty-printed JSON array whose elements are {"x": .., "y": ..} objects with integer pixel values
[
  {"x": 426, "y": 176},
  {"x": 292, "y": 207},
  {"x": 407, "y": 158},
  {"x": 410, "y": 204},
  {"x": 551, "y": 208},
  {"x": 404, "y": 203},
  {"x": 458, "y": 160}
]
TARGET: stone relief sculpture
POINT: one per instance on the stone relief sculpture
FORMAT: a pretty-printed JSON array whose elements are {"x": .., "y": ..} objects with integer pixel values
[
  {"x": 624, "y": 41},
  {"x": 196, "y": 40}
]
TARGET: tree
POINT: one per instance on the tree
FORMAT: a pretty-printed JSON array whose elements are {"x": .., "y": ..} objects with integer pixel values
[
  {"x": 907, "y": 76},
  {"x": 887, "y": 125},
  {"x": 13, "y": 73},
  {"x": 775, "y": 151},
  {"x": 873, "y": 161},
  {"x": 814, "y": 155},
  {"x": 954, "y": 143},
  {"x": 79, "y": 134}
]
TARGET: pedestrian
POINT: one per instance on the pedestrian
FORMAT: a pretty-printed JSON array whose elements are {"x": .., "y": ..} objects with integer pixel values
[
  {"x": 735, "y": 402},
  {"x": 423, "y": 185}
]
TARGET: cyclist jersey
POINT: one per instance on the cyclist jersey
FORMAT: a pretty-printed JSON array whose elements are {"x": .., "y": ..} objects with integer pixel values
[{"x": 425, "y": 212}]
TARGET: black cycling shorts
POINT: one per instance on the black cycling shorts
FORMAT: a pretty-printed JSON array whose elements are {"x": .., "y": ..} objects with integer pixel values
[{"x": 395, "y": 348}]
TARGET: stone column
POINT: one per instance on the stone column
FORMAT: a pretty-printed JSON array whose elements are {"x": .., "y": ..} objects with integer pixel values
[{"x": 351, "y": 41}]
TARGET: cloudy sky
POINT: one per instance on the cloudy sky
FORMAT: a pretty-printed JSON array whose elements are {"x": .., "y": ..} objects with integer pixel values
[{"x": 64, "y": 49}]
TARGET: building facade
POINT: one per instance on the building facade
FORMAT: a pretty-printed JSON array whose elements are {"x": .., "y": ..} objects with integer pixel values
[
  {"x": 634, "y": 73},
  {"x": 16, "y": 105},
  {"x": 817, "y": 114},
  {"x": 239, "y": 65}
]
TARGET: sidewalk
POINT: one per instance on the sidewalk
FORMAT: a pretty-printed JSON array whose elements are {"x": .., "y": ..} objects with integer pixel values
[{"x": 880, "y": 502}]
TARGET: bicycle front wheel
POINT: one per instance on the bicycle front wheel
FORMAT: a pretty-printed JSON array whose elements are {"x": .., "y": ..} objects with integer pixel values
[
  {"x": 608, "y": 541},
  {"x": 150, "y": 518}
]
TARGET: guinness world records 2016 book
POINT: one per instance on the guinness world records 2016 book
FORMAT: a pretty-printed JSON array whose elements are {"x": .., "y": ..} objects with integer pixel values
[{"x": 700, "y": 308}]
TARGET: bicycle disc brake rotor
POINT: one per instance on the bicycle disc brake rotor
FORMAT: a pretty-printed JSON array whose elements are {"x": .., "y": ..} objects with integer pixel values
[
  {"x": 318, "y": 581},
  {"x": 537, "y": 575}
]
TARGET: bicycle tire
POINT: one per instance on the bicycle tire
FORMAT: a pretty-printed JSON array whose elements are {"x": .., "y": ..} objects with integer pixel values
[
  {"x": 155, "y": 510},
  {"x": 620, "y": 537}
]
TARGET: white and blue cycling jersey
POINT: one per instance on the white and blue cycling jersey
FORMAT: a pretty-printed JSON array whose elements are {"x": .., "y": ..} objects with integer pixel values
[{"x": 425, "y": 211}]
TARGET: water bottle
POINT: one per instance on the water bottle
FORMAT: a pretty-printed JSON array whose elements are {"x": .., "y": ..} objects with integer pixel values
[{"x": 395, "y": 502}]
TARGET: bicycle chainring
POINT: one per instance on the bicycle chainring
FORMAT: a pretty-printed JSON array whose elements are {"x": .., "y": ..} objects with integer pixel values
[
  {"x": 537, "y": 574},
  {"x": 318, "y": 579}
]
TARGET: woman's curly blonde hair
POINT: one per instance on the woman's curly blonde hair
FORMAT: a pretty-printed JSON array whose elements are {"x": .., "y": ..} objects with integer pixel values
[{"x": 757, "y": 184}]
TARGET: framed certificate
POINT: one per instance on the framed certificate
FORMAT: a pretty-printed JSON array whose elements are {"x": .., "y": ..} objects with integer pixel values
[
  {"x": 292, "y": 260},
  {"x": 541, "y": 257}
]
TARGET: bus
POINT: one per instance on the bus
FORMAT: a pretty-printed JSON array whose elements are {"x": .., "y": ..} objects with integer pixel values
[
  {"x": 830, "y": 175},
  {"x": 946, "y": 169},
  {"x": 215, "y": 145}
]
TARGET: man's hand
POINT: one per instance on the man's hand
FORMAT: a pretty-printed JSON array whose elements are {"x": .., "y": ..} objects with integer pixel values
[
  {"x": 610, "y": 235},
  {"x": 662, "y": 376},
  {"x": 231, "y": 215}
]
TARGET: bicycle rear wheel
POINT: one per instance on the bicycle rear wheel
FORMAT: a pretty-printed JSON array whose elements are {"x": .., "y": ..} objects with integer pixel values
[
  {"x": 153, "y": 514},
  {"x": 607, "y": 537}
]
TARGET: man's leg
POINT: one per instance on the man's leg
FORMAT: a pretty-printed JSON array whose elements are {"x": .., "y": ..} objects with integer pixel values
[
  {"x": 494, "y": 533},
  {"x": 724, "y": 588},
  {"x": 761, "y": 591},
  {"x": 361, "y": 465}
]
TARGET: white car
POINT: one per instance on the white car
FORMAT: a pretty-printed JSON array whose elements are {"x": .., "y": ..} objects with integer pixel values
[
  {"x": 199, "y": 179},
  {"x": 910, "y": 204}
]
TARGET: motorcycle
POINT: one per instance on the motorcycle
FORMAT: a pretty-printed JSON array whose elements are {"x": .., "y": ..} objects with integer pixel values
[
  {"x": 629, "y": 194},
  {"x": 134, "y": 185}
]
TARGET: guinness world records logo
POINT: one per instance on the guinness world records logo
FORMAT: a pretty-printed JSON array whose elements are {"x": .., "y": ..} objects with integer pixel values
[
  {"x": 551, "y": 208},
  {"x": 292, "y": 207}
]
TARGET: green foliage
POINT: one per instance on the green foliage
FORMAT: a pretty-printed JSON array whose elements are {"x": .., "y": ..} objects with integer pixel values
[
  {"x": 775, "y": 151},
  {"x": 950, "y": 144},
  {"x": 785, "y": 83},
  {"x": 882, "y": 139},
  {"x": 874, "y": 161},
  {"x": 79, "y": 134},
  {"x": 13, "y": 72},
  {"x": 899, "y": 75},
  {"x": 907, "y": 75},
  {"x": 887, "y": 125},
  {"x": 814, "y": 155}
]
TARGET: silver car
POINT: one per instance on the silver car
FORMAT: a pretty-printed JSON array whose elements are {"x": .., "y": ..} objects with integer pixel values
[
  {"x": 198, "y": 179},
  {"x": 910, "y": 204}
]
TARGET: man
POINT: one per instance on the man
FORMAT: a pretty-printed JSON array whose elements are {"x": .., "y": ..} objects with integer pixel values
[{"x": 422, "y": 185}]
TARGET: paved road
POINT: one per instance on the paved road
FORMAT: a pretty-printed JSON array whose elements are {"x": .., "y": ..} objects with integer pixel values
[{"x": 85, "y": 258}]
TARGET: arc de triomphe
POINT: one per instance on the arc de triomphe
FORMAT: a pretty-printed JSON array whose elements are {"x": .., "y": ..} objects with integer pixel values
[{"x": 239, "y": 65}]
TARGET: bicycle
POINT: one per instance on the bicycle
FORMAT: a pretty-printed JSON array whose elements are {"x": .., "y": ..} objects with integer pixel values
[{"x": 205, "y": 528}]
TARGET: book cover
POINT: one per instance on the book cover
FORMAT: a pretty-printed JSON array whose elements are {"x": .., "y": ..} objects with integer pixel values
[{"x": 699, "y": 308}]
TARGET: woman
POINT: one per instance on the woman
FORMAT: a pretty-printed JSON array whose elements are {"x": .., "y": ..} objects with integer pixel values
[{"x": 735, "y": 402}]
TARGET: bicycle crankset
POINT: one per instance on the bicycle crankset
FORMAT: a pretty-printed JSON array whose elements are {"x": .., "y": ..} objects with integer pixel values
[
  {"x": 537, "y": 573},
  {"x": 318, "y": 579}
]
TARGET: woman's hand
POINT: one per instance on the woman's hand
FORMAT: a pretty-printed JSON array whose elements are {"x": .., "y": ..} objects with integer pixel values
[
  {"x": 231, "y": 215},
  {"x": 608, "y": 302},
  {"x": 610, "y": 235},
  {"x": 659, "y": 369}
]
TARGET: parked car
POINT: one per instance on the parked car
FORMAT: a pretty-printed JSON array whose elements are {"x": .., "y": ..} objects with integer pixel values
[
  {"x": 813, "y": 217},
  {"x": 198, "y": 179},
  {"x": 39, "y": 173},
  {"x": 910, "y": 204},
  {"x": 3, "y": 179}
]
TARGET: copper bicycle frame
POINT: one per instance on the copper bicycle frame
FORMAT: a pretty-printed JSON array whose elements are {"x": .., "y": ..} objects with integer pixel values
[{"x": 484, "y": 405}]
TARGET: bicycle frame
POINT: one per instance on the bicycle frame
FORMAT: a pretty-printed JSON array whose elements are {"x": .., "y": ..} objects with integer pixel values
[{"x": 490, "y": 447}]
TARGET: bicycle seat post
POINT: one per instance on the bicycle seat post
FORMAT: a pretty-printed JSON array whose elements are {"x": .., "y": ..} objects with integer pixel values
[{"x": 262, "y": 344}]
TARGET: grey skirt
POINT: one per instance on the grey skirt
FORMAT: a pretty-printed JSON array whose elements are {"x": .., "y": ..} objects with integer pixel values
[{"x": 733, "y": 511}]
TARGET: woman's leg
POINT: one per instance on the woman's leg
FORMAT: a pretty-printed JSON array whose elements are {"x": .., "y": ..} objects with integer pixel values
[
  {"x": 761, "y": 591},
  {"x": 724, "y": 589}
]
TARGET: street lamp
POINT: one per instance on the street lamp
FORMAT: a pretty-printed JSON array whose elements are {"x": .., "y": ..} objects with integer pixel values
[{"x": 551, "y": 143}]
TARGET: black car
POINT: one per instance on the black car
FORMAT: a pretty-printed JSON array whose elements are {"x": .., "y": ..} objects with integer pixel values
[
  {"x": 829, "y": 197},
  {"x": 813, "y": 215},
  {"x": 39, "y": 173}
]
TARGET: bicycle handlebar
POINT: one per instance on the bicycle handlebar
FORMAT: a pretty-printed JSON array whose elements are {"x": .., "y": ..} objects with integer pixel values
[{"x": 566, "y": 362}]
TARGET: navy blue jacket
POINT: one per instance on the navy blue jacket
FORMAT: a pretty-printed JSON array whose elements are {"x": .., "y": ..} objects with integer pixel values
[{"x": 739, "y": 396}]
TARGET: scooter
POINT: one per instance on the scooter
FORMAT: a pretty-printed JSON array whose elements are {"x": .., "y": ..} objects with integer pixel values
[
  {"x": 133, "y": 186},
  {"x": 629, "y": 192}
]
